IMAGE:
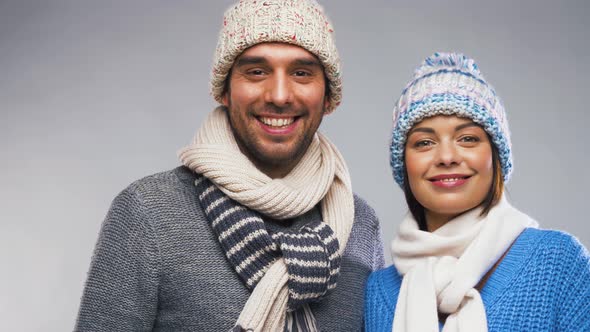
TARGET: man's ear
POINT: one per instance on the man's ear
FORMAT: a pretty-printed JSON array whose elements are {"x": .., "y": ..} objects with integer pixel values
[
  {"x": 225, "y": 99},
  {"x": 326, "y": 106}
]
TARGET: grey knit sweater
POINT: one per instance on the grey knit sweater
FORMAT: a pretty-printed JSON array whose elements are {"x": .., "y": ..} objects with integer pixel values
[{"x": 158, "y": 266}]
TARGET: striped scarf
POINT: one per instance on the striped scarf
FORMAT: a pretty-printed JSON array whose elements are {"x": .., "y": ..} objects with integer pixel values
[
  {"x": 310, "y": 254},
  {"x": 285, "y": 270}
]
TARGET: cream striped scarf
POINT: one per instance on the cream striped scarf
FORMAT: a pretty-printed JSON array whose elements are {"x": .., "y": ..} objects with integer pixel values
[{"x": 320, "y": 177}]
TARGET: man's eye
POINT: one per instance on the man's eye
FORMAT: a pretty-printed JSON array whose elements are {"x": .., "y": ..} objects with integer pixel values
[
  {"x": 255, "y": 72},
  {"x": 302, "y": 73}
]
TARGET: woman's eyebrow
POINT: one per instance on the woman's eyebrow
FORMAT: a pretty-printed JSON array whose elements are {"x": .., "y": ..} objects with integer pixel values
[
  {"x": 421, "y": 129},
  {"x": 466, "y": 125}
]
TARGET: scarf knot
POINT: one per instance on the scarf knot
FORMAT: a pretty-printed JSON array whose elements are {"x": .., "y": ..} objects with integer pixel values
[
  {"x": 310, "y": 254},
  {"x": 313, "y": 262}
]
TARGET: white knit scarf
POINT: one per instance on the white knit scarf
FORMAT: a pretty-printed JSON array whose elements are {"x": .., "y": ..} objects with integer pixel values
[
  {"x": 441, "y": 269},
  {"x": 320, "y": 177}
]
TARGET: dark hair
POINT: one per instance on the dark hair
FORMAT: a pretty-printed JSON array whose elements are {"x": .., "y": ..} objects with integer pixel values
[{"x": 491, "y": 199}]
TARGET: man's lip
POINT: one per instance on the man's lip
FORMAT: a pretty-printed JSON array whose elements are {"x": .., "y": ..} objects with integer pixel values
[
  {"x": 277, "y": 116},
  {"x": 449, "y": 176},
  {"x": 283, "y": 130}
]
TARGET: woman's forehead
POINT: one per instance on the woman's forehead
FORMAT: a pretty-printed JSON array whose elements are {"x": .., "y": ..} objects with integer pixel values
[{"x": 444, "y": 119}]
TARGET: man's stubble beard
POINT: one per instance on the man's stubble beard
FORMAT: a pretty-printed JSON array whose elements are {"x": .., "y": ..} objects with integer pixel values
[{"x": 249, "y": 146}]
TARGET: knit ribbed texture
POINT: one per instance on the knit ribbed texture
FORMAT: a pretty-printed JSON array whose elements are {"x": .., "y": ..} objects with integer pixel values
[
  {"x": 158, "y": 265},
  {"x": 449, "y": 84},
  {"x": 298, "y": 22},
  {"x": 320, "y": 176},
  {"x": 542, "y": 284}
]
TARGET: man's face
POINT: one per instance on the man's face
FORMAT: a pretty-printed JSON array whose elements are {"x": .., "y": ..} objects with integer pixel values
[{"x": 276, "y": 100}]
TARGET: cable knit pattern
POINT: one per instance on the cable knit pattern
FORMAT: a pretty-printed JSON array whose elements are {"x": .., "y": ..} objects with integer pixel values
[
  {"x": 542, "y": 284},
  {"x": 158, "y": 265}
]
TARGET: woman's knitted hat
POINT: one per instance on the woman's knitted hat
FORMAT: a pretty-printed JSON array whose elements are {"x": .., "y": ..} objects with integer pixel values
[
  {"x": 450, "y": 84},
  {"x": 298, "y": 22}
]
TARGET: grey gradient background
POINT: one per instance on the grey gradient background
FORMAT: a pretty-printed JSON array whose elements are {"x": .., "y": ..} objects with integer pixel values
[{"x": 94, "y": 95}]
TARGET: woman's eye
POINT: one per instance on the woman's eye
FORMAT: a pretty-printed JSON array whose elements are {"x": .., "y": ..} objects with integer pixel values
[
  {"x": 470, "y": 139},
  {"x": 423, "y": 143}
]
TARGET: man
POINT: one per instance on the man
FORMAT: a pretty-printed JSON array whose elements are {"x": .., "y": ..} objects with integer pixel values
[{"x": 259, "y": 230}]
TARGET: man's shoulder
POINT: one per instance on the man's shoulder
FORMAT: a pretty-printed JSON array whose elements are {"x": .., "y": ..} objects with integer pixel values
[
  {"x": 168, "y": 188},
  {"x": 162, "y": 198},
  {"x": 170, "y": 181},
  {"x": 363, "y": 212}
]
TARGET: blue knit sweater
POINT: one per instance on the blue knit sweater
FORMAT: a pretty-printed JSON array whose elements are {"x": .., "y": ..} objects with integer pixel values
[{"x": 542, "y": 284}]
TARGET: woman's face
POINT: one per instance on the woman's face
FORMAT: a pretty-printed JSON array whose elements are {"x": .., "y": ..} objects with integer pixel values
[{"x": 449, "y": 164}]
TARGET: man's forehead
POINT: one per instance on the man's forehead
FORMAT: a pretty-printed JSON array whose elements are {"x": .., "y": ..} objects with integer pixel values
[{"x": 276, "y": 51}]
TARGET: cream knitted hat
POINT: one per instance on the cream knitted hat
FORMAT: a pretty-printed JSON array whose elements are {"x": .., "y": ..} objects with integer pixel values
[{"x": 298, "y": 22}]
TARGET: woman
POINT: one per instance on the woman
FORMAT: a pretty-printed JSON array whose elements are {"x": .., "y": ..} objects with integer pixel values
[{"x": 464, "y": 258}]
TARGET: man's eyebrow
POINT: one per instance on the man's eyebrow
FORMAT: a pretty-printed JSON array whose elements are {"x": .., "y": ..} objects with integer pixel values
[
  {"x": 250, "y": 60},
  {"x": 307, "y": 62}
]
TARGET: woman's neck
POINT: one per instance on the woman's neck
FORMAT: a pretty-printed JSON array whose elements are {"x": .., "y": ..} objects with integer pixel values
[{"x": 435, "y": 220}]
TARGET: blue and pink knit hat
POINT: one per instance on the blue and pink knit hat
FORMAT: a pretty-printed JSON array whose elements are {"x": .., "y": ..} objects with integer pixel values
[{"x": 449, "y": 84}]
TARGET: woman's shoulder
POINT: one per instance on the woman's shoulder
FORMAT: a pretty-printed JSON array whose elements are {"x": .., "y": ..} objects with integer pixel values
[
  {"x": 554, "y": 249},
  {"x": 388, "y": 274},
  {"x": 384, "y": 284},
  {"x": 380, "y": 298},
  {"x": 554, "y": 240},
  {"x": 558, "y": 269}
]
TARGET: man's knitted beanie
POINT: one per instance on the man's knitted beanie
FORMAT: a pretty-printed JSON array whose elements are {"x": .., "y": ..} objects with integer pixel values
[
  {"x": 298, "y": 22},
  {"x": 449, "y": 84}
]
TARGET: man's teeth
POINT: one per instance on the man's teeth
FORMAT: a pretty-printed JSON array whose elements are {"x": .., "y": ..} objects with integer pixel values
[{"x": 274, "y": 122}]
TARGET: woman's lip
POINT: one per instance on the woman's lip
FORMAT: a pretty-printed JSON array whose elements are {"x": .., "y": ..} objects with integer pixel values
[
  {"x": 451, "y": 183},
  {"x": 449, "y": 180},
  {"x": 449, "y": 176}
]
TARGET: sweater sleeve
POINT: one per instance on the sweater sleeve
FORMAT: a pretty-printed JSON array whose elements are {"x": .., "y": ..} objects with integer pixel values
[
  {"x": 574, "y": 311},
  {"x": 121, "y": 291}
]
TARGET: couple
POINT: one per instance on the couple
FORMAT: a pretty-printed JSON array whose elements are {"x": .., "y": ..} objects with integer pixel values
[{"x": 259, "y": 230}]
